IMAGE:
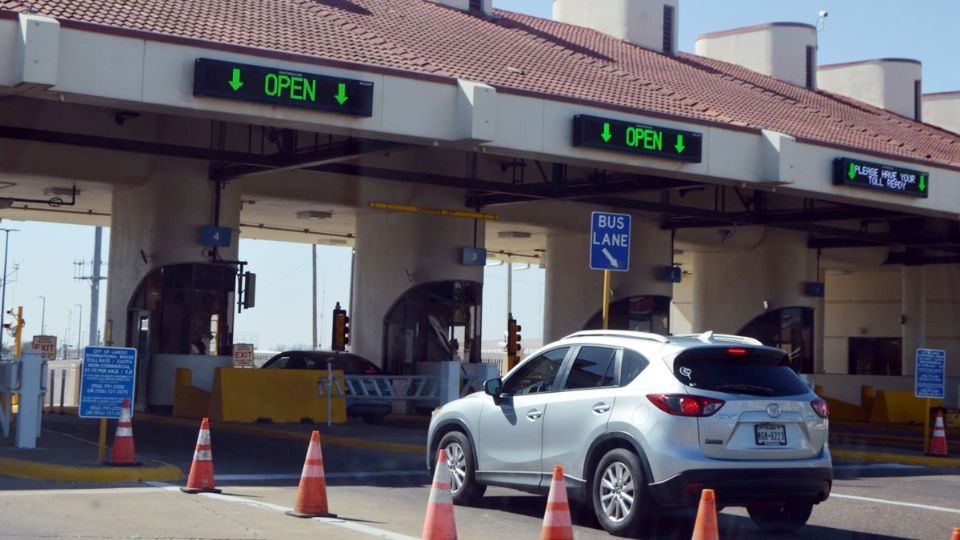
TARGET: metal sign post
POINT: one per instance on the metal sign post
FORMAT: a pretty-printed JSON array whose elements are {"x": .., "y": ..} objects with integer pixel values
[
  {"x": 609, "y": 250},
  {"x": 929, "y": 379}
]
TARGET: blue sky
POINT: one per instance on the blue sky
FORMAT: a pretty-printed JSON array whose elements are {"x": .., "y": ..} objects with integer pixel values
[{"x": 856, "y": 29}]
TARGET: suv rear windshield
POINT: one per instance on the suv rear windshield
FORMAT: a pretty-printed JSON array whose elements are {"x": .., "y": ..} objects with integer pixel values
[{"x": 739, "y": 370}]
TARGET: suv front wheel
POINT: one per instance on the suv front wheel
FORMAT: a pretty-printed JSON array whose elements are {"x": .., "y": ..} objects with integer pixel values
[
  {"x": 619, "y": 493},
  {"x": 780, "y": 518},
  {"x": 464, "y": 486}
]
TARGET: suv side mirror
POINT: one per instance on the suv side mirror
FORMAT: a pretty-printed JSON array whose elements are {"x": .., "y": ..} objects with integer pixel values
[{"x": 493, "y": 387}]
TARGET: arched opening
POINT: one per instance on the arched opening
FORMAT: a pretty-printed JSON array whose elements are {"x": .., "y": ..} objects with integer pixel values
[
  {"x": 636, "y": 313},
  {"x": 790, "y": 329},
  {"x": 433, "y": 322}
]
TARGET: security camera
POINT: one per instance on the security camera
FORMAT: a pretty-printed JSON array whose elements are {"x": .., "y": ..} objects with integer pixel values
[{"x": 824, "y": 14}]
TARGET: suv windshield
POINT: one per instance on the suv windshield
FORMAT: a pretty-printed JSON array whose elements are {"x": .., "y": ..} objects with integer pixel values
[{"x": 739, "y": 370}]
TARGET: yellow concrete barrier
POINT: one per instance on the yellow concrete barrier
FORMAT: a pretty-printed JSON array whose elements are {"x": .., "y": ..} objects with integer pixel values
[
  {"x": 278, "y": 395},
  {"x": 900, "y": 407},
  {"x": 188, "y": 400}
]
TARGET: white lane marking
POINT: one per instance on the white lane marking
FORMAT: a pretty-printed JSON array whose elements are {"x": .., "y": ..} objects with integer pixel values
[
  {"x": 356, "y": 527},
  {"x": 104, "y": 491},
  {"x": 896, "y": 503},
  {"x": 291, "y": 476}
]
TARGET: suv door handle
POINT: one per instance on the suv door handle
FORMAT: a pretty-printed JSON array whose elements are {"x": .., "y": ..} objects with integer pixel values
[
  {"x": 534, "y": 414},
  {"x": 601, "y": 408}
]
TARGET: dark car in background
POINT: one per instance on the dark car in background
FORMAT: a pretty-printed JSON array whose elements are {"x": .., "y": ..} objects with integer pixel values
[{"x": 371, "y": 409}]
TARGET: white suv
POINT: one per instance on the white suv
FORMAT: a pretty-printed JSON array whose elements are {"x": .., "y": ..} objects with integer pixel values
[{"x": 640, "y": 422}]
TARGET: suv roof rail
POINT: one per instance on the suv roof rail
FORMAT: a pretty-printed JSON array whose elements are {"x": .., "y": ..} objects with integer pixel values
[
  {"x": 709, "y": 336},
  {"x": 619, "y": 333}
]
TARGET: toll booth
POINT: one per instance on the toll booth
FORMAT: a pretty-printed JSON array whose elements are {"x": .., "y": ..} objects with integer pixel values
[
  {"x": 181, "y": 315},
  {"x": 433, "y": 322}
]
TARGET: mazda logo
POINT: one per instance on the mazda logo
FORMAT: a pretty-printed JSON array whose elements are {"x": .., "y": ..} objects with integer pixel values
[{"x": 773, "y": 410}]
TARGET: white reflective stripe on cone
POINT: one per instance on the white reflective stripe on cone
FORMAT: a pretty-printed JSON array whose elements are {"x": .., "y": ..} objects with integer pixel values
[
  {"x": 124, "y": 432},
  {"x": 203, "y": 455},
  {"x": 313, "y": 471}
]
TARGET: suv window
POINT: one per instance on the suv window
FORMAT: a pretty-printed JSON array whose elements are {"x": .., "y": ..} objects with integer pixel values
[
  {"x": 739, "y": 370},
  {"x": 594, "y": 367},
  {"x": 537, "y": 375},
  {"x": 632, "y": 364}
]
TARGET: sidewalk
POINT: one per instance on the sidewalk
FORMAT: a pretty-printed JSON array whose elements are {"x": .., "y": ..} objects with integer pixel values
[{"x": 888, "y": 443}]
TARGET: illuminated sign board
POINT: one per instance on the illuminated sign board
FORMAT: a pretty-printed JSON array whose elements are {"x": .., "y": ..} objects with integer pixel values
[
  {"x": 863, "y": 174},
  {"x": 633, "y": 138},
  {"x": 282, "y": 87}
]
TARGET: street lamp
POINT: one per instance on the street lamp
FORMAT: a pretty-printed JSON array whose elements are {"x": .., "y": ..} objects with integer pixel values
[
  {"x": 43, "y": 316},
  {"x": 3, "y": 295},
  {"x": 79, "y": 326}
]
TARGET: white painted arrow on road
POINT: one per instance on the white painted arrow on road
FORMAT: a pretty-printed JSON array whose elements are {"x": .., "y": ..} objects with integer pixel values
[{"x": 613, "y": 262}]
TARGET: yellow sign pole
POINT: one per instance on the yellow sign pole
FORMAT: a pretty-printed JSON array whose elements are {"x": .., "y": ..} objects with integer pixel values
[
  {"x": 606, "y": 299},
  {"x": 102, "y": 447},
  {"x": 19, "y": 332}
]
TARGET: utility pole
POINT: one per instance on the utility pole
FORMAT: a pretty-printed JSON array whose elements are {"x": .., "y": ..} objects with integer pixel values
[
  {"x": 3, "y": 295},
  {"x": 43, "y": 316},
  {"x": 314, "y": 246},
  {"x": 79, "y": 327},
  {"x": 95, "y": 277}
]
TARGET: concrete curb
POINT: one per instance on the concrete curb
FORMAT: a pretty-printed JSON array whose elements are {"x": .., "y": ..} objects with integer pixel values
[
  {"x": 267, "y": 433},
  {"x": 35, "y": 470},
  {"x": 902, "y": 459}
]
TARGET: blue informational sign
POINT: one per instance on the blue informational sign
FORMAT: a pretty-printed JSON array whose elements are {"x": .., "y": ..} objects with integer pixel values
[
  {"x": 215, "y": 236},
  {"x": 610, "y": 241},
  {"x": 931, "y": 373},
  {"x": 107, "y": 377}
]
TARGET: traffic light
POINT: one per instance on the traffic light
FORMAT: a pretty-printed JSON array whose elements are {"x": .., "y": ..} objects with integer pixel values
[
  {"x": 341, "y": 329},
  {"x": 513, "y": 342}
]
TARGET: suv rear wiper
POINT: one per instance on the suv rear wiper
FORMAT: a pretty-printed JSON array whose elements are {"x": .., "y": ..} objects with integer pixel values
[{"x": 746, "y": 389}]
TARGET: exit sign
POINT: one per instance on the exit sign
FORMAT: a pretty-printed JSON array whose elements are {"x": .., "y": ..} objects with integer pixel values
[
  {"x": 864, "y": 174},
  {"x": 282, "y": 87},
  {"x": 633, "y": 138}
]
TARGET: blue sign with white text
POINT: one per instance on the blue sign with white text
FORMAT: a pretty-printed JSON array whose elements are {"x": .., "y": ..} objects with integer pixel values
[
  {"x": 610, "y": 241},
  {"x": 930, "y": 374},
  {"x": 215, "y": 236},
  {"x": 107, "y": 376}
]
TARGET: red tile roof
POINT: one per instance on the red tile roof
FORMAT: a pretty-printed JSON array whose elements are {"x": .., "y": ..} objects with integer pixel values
[{"x": 518, "y": 53}]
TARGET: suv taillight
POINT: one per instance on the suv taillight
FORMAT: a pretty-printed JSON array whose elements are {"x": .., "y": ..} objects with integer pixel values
[
  {"x": 685, "y": 405},
  {"x": 820, "y": 407}
]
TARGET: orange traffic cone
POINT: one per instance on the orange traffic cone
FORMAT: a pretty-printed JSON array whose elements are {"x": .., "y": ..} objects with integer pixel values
[
  {"x": 122, "y": 453},
  {"x": 201, "y": 470},
  {"x": 440, "y": 523},
  {"x": 956, "y": 535},
  {"x": 938, "y": 441},
  {"x": 312, "y": 493},
  {"x": 706, "y": 527},
  {"x": 557, "y": 524}
]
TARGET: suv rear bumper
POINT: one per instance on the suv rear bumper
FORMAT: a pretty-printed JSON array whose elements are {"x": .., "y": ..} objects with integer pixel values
[{"x": 740, "y": 487}]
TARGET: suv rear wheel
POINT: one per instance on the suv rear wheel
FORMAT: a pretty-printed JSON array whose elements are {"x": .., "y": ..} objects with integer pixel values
[
  {"x": 620, "y": 496},
  {"x": 780, "y": 518},
  {"x": 463, "y": 486}
]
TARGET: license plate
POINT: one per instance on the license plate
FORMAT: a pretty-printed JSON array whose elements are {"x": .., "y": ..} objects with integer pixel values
[{"x": 771, "y": 434}]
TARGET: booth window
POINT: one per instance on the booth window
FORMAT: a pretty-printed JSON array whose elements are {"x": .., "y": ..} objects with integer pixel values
[
  {"x": 636, "y": 313},
  {"x": 874, "y": 356},
  {"x": 790, "y": 329}
]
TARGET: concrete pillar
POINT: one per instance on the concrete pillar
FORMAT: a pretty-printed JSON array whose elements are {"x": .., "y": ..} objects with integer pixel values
[
  {"x": 396, "y": 252},
  {"x": 914, "y": 312},
  {"x": 158, "y": 223},
  {"x": 574, "y": 292},
  {"x": 730, "y": 288}
]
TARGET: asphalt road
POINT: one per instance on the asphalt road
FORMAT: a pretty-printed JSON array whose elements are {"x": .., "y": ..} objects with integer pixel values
[{"x": 383, "y": 495}]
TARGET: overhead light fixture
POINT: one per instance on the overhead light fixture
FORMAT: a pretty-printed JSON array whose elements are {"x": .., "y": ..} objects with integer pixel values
[
  {"x": 513, "y": 234},
  {"x": 5, "y": 203},
  {"x": 314, "y": 214},
  {"x": 61, "y": 191}
]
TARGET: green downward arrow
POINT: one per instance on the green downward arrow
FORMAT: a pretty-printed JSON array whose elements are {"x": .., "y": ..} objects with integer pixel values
[
  {"x": 341, "y": 93},
  {"x": 923, "y": 183},
  {"x": 236, "y": 83},
  {"x": 852, "y": 173},
  {"x": 606, "y": 136},
  {"x": 679, "y": 145}
]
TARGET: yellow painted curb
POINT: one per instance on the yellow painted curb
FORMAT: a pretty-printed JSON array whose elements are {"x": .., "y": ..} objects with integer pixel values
[
  {"x": 267, "y": 433},
  {"x": 33, "y": 470},
  {"x": 903, "y": 459}
]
